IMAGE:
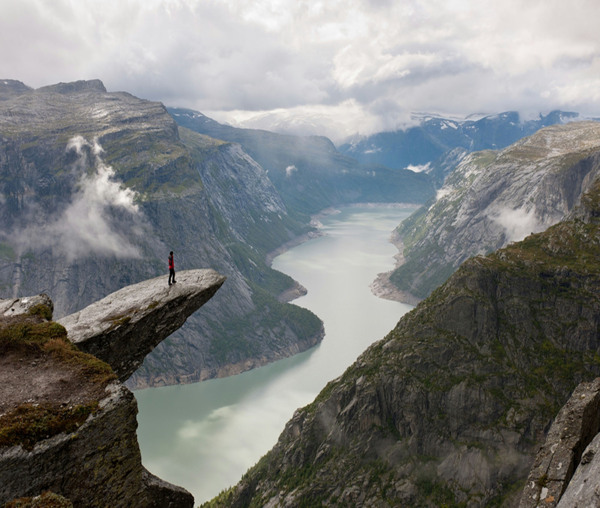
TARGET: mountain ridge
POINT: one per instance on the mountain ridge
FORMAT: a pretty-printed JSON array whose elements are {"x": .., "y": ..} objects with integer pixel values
[
  {"x": 495, "y": 197},
  {"x": 435, "y": 135},
  {"x": 309, "y": 172}
]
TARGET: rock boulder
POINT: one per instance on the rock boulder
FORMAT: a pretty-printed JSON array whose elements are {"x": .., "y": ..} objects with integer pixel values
[
  {"x": 15, "y": 306},
  {"x": 99, "y": 465}
]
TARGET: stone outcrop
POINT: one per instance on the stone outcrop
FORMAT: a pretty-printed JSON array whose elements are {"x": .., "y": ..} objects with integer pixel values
[
  {"x": 18, "y": 306},
  {"x": 87, "y": 451},
  {"x": 124, "y": 327},
  {"x": 565, "y": 462}
]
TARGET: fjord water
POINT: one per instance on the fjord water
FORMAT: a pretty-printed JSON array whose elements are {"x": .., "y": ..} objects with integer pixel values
[{"x": 205, "y": 436}]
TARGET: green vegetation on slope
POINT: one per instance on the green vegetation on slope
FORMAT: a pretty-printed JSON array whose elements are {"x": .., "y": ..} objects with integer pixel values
[
  {"x": 28, "y": 424},
  {"x": 227, "y": 343},
  {"x": 33, "y": 341}
]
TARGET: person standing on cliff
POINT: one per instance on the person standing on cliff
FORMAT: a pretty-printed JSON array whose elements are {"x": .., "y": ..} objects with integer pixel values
[{"x": 171, "y": 268}]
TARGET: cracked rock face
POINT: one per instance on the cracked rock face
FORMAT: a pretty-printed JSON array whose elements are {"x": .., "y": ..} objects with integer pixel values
[
  {"x": 122, "y": 328},
  {"x": 583, "y": 489},
  {"x": 566, "y": 467}
]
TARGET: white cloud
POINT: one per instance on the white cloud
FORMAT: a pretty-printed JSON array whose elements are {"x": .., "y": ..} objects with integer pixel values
[
  {"x": 518, "y": 223},
  {"x": 336, "y": 121},
  {"x": 87, "y": 224},
  {"x": 274, "y": 58},
  {"x": 443, "y": 192},
  {"x": 290, "y": 170},
  {"x": 418, "y": 168}
]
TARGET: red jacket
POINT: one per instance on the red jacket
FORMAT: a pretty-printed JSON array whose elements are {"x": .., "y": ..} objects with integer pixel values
[{"x": 171, "y": 263}]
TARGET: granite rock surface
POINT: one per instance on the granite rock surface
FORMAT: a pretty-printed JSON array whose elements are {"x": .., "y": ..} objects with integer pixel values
[{"x": 122, "y": 328}]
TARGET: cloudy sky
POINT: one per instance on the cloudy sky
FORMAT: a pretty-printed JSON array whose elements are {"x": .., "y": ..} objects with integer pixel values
[{"x": 334, "y": 67}]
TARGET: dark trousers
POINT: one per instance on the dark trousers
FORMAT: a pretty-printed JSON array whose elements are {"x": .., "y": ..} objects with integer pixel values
[{"x": 171, "y": 275}]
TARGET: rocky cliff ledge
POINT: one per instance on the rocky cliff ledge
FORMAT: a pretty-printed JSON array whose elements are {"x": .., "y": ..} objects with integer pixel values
[
  {"x": 128, "y": 324},
  {"x": 67, "y": 424},
  {"x": 565, "y": 471}
]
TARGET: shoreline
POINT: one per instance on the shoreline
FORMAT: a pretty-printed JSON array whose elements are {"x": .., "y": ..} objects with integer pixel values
[
  {"x": 381, "y": 287},
  {"x": 294, "y": 242},
  {"x": 315, "y": 232},
  {"x": 296, "y": 290},
  {"x": 226, "y": 370}
]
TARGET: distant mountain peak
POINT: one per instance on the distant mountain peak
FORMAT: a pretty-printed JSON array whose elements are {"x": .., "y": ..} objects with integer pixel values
[
  {"x": 12, "y": 87},
  {"x": 432, "y": 135},
  {"x": 92, "y": 85}
]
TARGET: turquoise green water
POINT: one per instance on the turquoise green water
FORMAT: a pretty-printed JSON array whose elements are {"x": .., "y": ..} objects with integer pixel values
[{"x": 205, "y": 436}]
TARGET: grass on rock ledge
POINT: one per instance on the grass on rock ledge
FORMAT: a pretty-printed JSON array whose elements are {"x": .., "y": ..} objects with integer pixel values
[{"x": 34, "y": 347}]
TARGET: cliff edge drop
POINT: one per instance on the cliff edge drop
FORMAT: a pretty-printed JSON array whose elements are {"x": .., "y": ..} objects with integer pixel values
[{"x": 67, "y": 424}]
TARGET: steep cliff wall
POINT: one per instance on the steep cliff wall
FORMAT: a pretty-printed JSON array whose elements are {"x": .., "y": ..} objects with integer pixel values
[
  {"x": 494, "y": 198},
  {"x": 451, "y": 406}
]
